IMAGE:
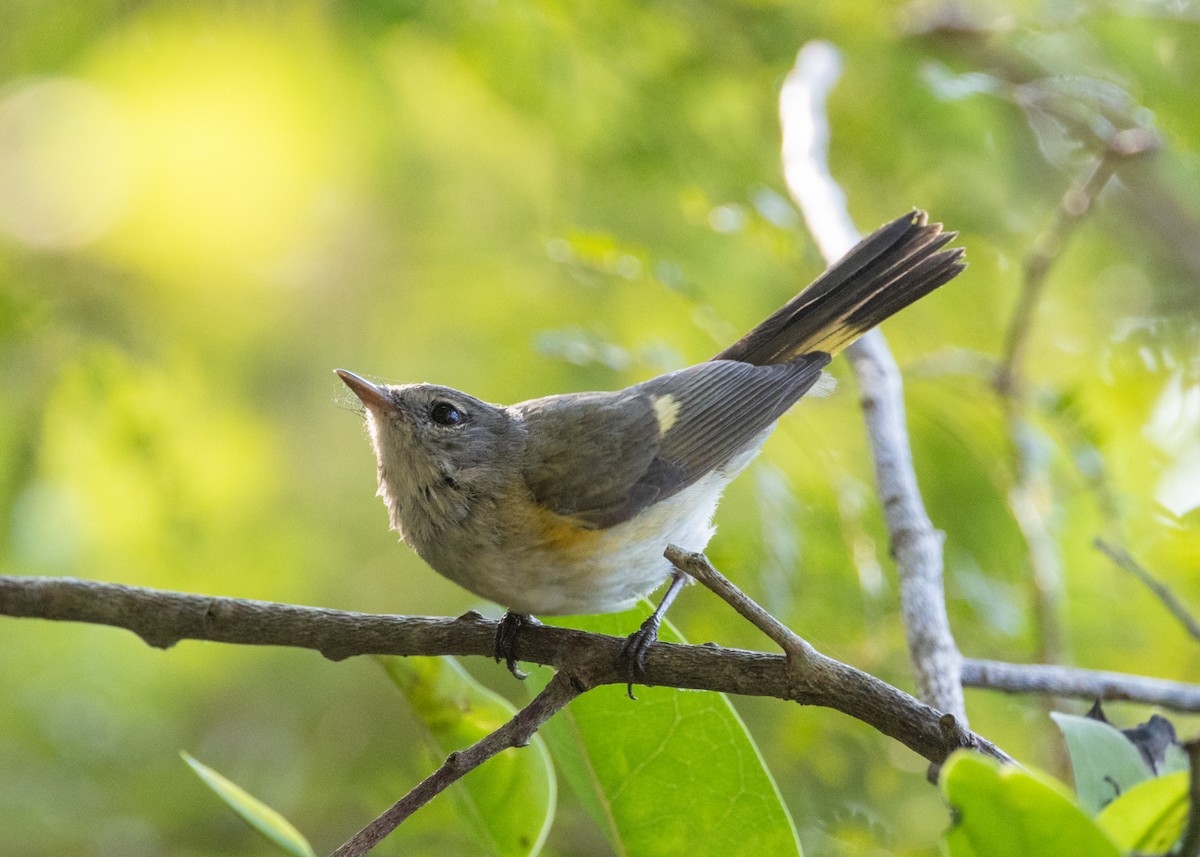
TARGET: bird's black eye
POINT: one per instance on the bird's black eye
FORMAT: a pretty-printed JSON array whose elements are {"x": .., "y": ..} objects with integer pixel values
[{"x": 445, "y": 414}]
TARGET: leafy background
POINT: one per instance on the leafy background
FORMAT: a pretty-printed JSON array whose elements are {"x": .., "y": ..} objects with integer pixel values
[{"x": 205, "y": 208}]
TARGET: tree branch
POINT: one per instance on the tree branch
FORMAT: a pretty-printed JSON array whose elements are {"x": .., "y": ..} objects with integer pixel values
[
  {"x": 517, "y": 732},
  {"x": 915, "y": 544},
  {"x": 1031, "y": 492},
  {"x": 1030, "y": 495},
  {"x": 1072, "y": 208},
  {"x": 1161, "y": 591},
  {"x": 697, "y": 565},
  {"x": 339, "y": 635},
  {"x": 1061, "y": 681}
]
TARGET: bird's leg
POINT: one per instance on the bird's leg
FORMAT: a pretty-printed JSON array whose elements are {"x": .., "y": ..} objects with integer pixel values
[
  {"x": 633, "y": 654},
  {"x": 505, "y": 646}
]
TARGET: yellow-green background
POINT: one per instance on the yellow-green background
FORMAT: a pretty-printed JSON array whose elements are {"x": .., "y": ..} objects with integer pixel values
[{"x": 206, "y": 207}]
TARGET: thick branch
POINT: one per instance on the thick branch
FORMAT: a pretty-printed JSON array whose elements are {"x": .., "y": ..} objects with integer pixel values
[
  {"x": 915, "y": 544},
  {"x": 163, "y": 618},
  {"x": 337, "y": 634}
]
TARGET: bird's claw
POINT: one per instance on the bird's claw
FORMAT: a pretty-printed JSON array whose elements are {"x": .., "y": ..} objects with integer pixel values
[
  {"x": 632, "y": 657},
  {"x": 505, "y": 646}
]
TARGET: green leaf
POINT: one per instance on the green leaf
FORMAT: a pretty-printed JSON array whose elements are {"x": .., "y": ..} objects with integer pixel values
[
  {"x": 1006, "y": 811},
  {"x": 675, "y": 772},
  {"x": 1175, "y": 758},
  {"x": 1150, "y": 817},
  {"x": 508, "y": 802},
  {"x": 257, "y": 814},
  {"x": 1105, "y": 762}
]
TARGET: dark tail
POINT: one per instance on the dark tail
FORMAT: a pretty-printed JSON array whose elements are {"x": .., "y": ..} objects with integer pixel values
[{"x": 897, "y": 264}]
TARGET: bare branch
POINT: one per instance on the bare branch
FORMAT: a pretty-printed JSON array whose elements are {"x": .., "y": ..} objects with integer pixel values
[
  {"x": 340, "y": 634},
  {"x": 515, "y": 733},
  {"x": 1073, "y": 207},
  {"x": 698, "y": 566},
  {"x": 1031, "y": 492},
  {"x": 915, "y": 544},
  {"x": 805, "y": 661},
  {"x": 1061, "y": 681},
  {"x": 1161, "y": 591},
  {"x": 163, "y": 618}
]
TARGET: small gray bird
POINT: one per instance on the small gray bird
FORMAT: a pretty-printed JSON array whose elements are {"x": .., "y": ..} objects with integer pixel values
[{"x": 564, "y": 504}]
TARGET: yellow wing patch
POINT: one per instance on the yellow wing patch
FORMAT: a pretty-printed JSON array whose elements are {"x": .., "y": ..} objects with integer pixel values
[{"x": 666, "y": 411}]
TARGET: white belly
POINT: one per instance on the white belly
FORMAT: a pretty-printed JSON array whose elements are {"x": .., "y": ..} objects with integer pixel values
[{"x": 612, "y": 569}]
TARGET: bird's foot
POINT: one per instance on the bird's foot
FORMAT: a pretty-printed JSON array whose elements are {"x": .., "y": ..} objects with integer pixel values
[
  {"x": 505, "y": 646},
  {"x": 632, "y": 658}
]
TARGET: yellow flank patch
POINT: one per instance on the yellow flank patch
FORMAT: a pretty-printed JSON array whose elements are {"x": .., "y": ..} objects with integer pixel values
[
  {"x": 666, "y": 410},
  {"x": 562, "y": 533}
]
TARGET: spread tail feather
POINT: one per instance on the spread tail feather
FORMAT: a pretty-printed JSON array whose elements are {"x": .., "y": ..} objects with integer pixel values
[{"x": 897, "y": 264}]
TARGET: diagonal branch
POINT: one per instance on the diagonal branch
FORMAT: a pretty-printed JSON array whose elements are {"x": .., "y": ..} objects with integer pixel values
[
  {"x": 1161, "y": 591},
  {"x": 696, "y": 565},
  {"x": 1031, "y": 492},
  {"x": 1073, "y": 207},
  {"x": 915, "y": 544},
  {"x": 515, "y": 733},
  {"x": 803, "y": 660}
]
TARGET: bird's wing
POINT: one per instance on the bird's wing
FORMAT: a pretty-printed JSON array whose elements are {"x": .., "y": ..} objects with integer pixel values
[{"x": 603, "y": 457}]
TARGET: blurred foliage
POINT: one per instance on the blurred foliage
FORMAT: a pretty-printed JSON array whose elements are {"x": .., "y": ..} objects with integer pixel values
[
  {"x": 205, "y": 208},
  {"x": 1121, "y": 806}
]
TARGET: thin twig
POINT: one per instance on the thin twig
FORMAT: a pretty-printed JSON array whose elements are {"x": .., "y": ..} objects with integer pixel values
[
  {"x": 1047, "y": 249},
  {"x": 1030, "y": 494},
  {"x": 698, "y": 566},
  {"x": 1029, "y": 497},
  {"x": 1059, "y": 681},
  {"x": 1162, "y": 592},
  {"x": 915, "y": 544},
  {"x": 517, "y": 732},
  {"x": 1190, "y": 846}
]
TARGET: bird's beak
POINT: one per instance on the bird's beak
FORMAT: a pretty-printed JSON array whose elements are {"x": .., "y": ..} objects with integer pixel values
[{"x": 369, "y": 394}]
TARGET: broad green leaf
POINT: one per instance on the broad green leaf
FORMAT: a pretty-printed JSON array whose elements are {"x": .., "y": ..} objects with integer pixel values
[
  {"x": 1006, "y": 811},
  {"x": 1150, "y": 817},
  {"x": 257, "y": 814},
  {"x": 675, "y": 772},
  {"x": 1105, "y": 762},
  {"x": 507, "y": 802}
]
